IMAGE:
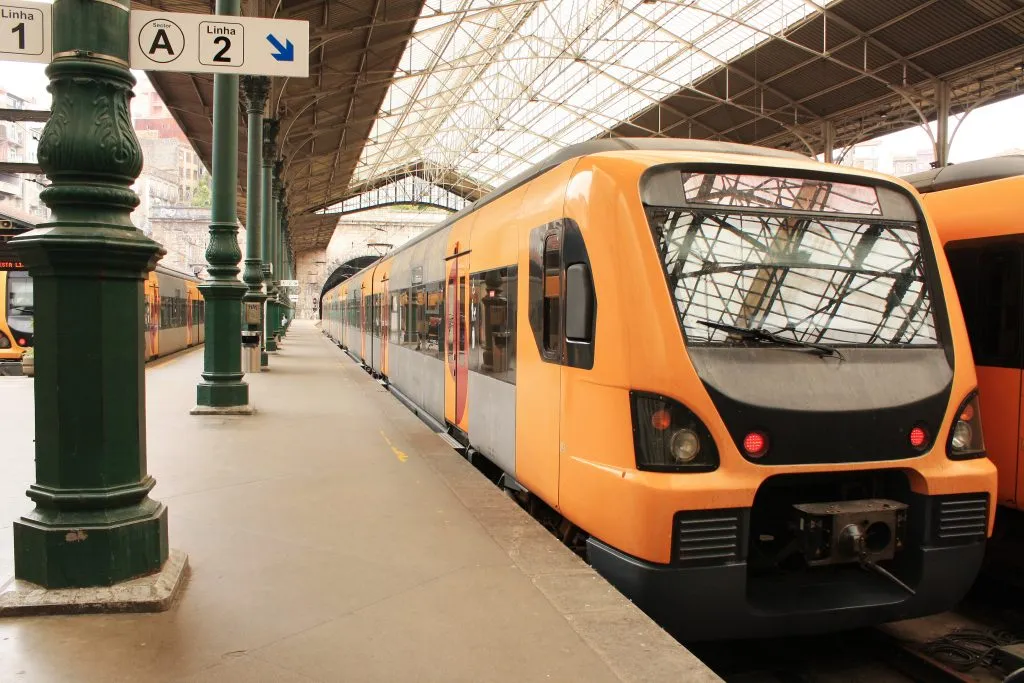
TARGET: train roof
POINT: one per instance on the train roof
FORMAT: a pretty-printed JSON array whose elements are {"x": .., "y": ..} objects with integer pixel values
[
  {"x": 167, "y": 270},
  {"x": 967, "y": 173},
  {"x": 597, "y": 147}
]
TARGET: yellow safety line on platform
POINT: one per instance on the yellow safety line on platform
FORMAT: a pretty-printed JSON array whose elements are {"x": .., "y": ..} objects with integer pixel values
[{"x": 402, "y": 457}]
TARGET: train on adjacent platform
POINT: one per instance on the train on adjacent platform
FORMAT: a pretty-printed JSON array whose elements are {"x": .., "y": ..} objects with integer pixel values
[
  {"x": 975, "y": 207},
  {"x": 174, "y": 313},
  {"x": 735, "y": 374}
]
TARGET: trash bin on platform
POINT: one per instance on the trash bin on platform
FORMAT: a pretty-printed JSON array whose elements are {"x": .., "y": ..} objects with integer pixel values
[{"x": 250, "y": 351}]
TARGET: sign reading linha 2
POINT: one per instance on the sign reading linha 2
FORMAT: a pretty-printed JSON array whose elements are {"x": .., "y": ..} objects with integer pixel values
[{"x": 208, "y": 43}]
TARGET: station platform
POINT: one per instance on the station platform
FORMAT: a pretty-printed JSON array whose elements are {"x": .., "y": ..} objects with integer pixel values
[{"x": 332, "y": 536}]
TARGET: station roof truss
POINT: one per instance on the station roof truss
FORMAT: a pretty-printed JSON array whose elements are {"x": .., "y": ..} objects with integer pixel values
[{"x": 466, "y": 94}]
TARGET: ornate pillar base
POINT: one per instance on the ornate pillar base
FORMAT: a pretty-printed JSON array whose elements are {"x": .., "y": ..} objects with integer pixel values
[
  {"x": 223, "y": 391},
  {"x": 83, "y": 548}
]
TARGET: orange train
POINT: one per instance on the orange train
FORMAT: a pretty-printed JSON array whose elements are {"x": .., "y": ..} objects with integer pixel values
[
  {"x": 975, "y": 207},
  {"x": 174, "y": 313},
  {"x": 733, "y": 373}
]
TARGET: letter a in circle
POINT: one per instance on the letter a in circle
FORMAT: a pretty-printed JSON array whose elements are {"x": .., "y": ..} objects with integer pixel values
[{"x": 161, "y": 42}]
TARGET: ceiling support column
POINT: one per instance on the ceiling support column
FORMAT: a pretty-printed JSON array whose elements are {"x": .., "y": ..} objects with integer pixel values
[
  {"x": 223, "y": 390},
  {"x": 94, "y": 523},
  {"x": 256, "y": 90},
  {"x": 270, "y": 127},
  {"x": 828, "y": 136},
  {"x": 942, "y": 106},
  {"x": 282, "y": 298},
  {"x": 274, "y": 287}
]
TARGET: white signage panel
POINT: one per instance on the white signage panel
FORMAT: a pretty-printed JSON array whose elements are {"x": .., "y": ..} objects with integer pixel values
[
  {"x": 293, "y": 297},
  {"x": 289, "y": 283},
  {"x": 25, "y": 32},
  {"x": 208, "y": 43}
]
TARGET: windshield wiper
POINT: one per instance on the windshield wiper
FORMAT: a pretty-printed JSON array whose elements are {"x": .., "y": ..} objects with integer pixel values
[{"x": 763, "y": 335}]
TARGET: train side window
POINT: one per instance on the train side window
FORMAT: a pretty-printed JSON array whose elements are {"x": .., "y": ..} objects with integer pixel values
[
  {"x": 435, "y": 321},
  {"x": 397, "y": 315},
  {"x": 990, "y": 288},
  {"x": 493, "y": 310},
  {"x": 552, "y": 324}
]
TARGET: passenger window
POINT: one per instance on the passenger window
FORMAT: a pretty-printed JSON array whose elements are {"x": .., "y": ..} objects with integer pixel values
[
  {"x": 493, "y": 312},
  {"x": 552, "y": 294},
  {"x": 989, "y": 286}
]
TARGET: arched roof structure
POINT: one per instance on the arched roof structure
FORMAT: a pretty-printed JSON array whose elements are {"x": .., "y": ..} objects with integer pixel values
[{"x": 482, "y": 89}]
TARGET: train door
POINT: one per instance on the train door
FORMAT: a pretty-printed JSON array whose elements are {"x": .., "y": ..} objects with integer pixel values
[
  {"x": 384, "y": 311},
  {"x": 456, "y": 321},
  {"x": 539, "y": 364},
  {"x": 151, "y": 295},
  {"x": 189, "y": 302},
  {"x": 364, "y": 322},
  {"x": 988, "y": 276}
]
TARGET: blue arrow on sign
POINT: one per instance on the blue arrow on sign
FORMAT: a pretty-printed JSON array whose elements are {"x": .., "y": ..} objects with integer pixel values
[{"x": 285, "y": 53}]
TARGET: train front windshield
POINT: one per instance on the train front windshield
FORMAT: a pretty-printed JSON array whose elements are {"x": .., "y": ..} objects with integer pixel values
[
  {"x": 815, "y": 261},
  {"x": 19, "y": 307}
]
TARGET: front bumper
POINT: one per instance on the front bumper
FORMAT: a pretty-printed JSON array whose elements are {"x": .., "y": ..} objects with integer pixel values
[{"x": 723, "y": 602}]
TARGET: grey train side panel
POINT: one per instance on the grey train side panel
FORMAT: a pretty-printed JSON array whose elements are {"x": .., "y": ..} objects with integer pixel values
[
  {"x": 419, "y": 377},
  {"x": 492, "y": 419}
]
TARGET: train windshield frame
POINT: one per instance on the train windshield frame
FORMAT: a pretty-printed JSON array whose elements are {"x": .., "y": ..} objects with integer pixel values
[
  {"x": 20, "y": 303},
  {"x": 812, "y": 258}
]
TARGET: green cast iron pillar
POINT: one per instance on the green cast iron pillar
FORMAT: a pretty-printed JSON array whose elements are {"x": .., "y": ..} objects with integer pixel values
[
  {"x": 94, "y": 523},
  {"x": 270, "y": 127},
  {"x": 286, "y": 264},
  {"x": 273, "y": 290},
  {"x": 256, "y": 90},
  {"x": 282, "y": 295},
  {"x": 223, "y": 389}
]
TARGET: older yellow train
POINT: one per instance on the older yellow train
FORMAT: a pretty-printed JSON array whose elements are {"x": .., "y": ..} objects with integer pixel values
[
  {"x": 174, "y": 313},
  {"x": 738, "y": 375}
]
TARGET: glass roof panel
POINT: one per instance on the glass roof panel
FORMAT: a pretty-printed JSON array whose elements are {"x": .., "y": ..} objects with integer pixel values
[{"x": 488, "y": 87}]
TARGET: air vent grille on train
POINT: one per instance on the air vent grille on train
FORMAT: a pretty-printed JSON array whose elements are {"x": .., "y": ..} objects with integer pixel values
[
  {"x": 960, "y": 519},
  {"x": 709, "y": 537}
]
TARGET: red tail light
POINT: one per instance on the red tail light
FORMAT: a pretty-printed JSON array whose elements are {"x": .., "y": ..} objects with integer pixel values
[
  {"x": 755, "y": 444},
  {"x": 21, "y": 342},
  {"x": 918, "y": 437}
]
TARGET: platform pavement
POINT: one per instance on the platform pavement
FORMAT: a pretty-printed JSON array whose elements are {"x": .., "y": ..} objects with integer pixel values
[{"x": 331, "y": 537}]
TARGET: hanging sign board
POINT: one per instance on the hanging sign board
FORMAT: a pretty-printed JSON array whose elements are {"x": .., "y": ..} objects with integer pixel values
[
  {"x": 25, "y": 33},
  {"x": 210, "y": 43},
  {"x": 8, "y": 259},
  {"x": 289, "y": 283}
]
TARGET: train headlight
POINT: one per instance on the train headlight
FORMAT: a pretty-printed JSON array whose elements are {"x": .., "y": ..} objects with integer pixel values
[
  {"x": 965, "y": 436},
  {"x": 961, "y": 436},
  {"x": 685, "y": 445},
  {"x": 669, "y": 437}
]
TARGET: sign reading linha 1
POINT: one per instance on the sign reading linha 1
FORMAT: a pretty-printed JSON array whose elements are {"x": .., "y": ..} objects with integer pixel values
[
  {"x": 208, "y": 43},
  {"x": 25, "y": 32}
]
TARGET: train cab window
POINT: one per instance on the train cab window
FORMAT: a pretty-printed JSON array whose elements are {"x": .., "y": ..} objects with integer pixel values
[
  {"x": 552, "y": 324},
  {"x": 989, "y": 285}
]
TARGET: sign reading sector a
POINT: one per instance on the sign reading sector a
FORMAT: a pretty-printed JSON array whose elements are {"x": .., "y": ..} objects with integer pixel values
[
  {"x": 208, "y": 43},
  {"x": 25, "y": 34}
]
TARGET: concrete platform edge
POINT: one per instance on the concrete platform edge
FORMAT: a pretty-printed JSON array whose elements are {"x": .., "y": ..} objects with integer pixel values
[
  {"x": 153, "y": 593},
  {"x": 629, "y": 642}
]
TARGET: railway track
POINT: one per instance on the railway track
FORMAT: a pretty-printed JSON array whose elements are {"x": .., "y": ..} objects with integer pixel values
[{"x": 961, "y": 647}]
